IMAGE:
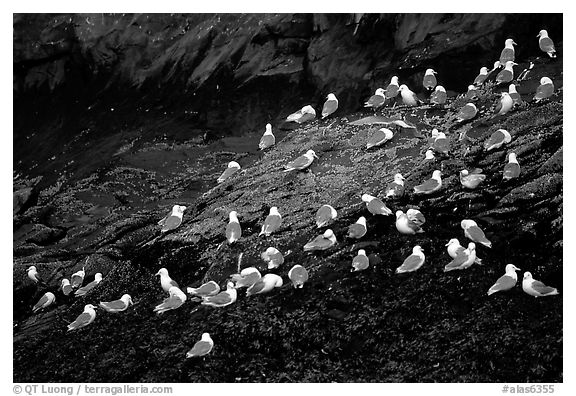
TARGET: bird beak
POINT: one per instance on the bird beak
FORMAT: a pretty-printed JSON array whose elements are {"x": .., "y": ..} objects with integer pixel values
[
  {"x": 315, "y": 156},
  {"x": 447, "y": 244}
]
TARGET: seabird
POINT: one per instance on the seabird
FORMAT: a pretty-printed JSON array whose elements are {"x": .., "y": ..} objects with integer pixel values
[
  {"x": 321, "y": 242},
  {"x": 429, "y": 81},
  {"x": 504, "y": 105},
  {"x": 392, "y": 89},
  {"x": 507, "y": 54},
  {"x": 454, "y": 249},
  {"x": 272, "y": 222},
  {"x": 273, "y": 257},
  {"x": 117, "y": 305},
  {"x": 395, "y": 189},
  {"x": 375, "y": 205},
  {"x": 377, "y": 99},
  {"x": 233, "y": 229},
  {"x": 65, "y": 287},
  {"x": 512, "y": 168},
  {"x": 246, "y": 278},
  {"x": 47, "y": 299},
  {"x": 412, "y": 262},
  {"x": 409, "y": 98},
  {"x": 471, "y": 180},
  {"x": 479, "y": 80},
  {"x": 438, "y": 97},
  {"x": 429, "y": 155},
  {"x": 360, "y": 262},
  {"x": 85, "y": 289},
  {"x": 325, "y": 215},
  {"x": 544, "y": 90},
  {"x": 209, "y": 288},
  {"x": 379, "y": 137},
  {"x": 298, "y": 275},
  {"x": 268, "y": 139},
  {"x": 546, "y": 44},
  {"x": 506, "y": 75},
  {"x": 34, "y": 276},
  {"x": 497, "y": 139},
  {"x": 474, "y": 233},
  {"x": 358, "y": 229},
  {"x": 84, "y": 319},
  {"x": 165, "y": 281},
  {"x": 302, "y": 162},
  {"x": 202, "y": 347},
  {"x": 467, "y": 112},
  {"x": 536, "y": 288},
  {"x": 173, "y": 220},
  {"x": 440, "y": 144},
  {"x": 411, "y": 222},
  {"x": 506, "y": 281},
  {"x": 265, "y": 285},
  {"x": 305, "y": 114},
  {"x": 77, "y": 278},
  {"x": 472, "y": 93},
  {"x": 431, "y": 185},
  {"x": 516, "y": 98},
  {"x": 175, "y": 300},
  {"x": 330, "y": 106},
  {"x": 232, "y": 168},
  {"x": 464, "y": 259}
]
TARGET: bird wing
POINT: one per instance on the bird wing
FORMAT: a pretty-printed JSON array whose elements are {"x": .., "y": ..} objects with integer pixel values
[
  {"x": 356, "y": 230},
  {"x": 298, "y": 275},
  {"x": 113, "y": 306},
  {"x": 43, "y": 300},
  {"x": 376, "y": 206},
  {"x": 428, "y": 185},
  {"x": 376, "y": 138},
  {"x": 411, "y": 263},
  {"x": 541, "y": 287},
  {"x": 544, "y": 91},
  {"x": 266, "y": 141},
  {"x": 461, "y": 258},
  {"x": 294, "y": 116},
  {"x": 505, "y": 282},
  {"x": 511, "y": 170},
  {"x": 169, "y": 303},
  {"x": 318, "y": 243},
  {"x": 299, "y": 163},
  {"x": 201, "y": 348},
  {"x": 226, "y": 174},
  {"x": 271, "y": 224},
  {"x": 82, "y": 320},
  {"x": 207, "y": 289},
  {"x": 330, "y": 106},
  {"x": 171, "y": 223},
  {"x": 233, "y": 231},
  {"x": 219, "y": 299},
  {"x": 546, "y": 44},
  {"x": 506, "y": 55},
  {"x": 391, "y": 91},
  {"x": 477, "y": 235},
  {"x": 360, "y": 262},
  {"x": 305, "y": 118},
  {"x": 85, "y": 289}
]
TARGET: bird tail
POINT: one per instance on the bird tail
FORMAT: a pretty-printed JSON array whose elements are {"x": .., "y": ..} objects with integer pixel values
[{"x": 552, "y": 54}]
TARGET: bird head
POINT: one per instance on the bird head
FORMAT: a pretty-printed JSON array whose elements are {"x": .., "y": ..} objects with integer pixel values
[
  {"x": 274, "y": 211},
  {"x": 545, "y": 80},
  {"x": 233, "y": 164},
  {"x": 269, "y": 128},
  {"x": 399, "y": 213},
  {"x": 361, "y": 252},
  {"x": 31, "y": 268},
  {"x": 440, "y": 88},
  {"x": 542, "y": 33},
  {"x": 162, "y": 272},
  {"x": 367, "y": 198},
  {"x": 511, "y": 268},
  {"x": 311, "y": 153},
  {"x": 527, "y": 275},
  {"x": 464, "y": 172},
  {"x": 453, "y": 241}
]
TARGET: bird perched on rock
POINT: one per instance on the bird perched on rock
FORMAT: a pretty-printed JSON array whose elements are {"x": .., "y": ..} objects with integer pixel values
[
  {"x": 454, "y": 249},
  {"x": 117, "y": 305},
  {"x": 431, "y": 185},
  {"x": 440, "y": 143},
  {"x": 330, "y": 106},
  {"x": 223, "y": 298},
  {"x": 46, "y": 300},
  {"x": 514, "y": 95},
  {"x": 173, "y": 219},
  {"x": 66, "y": 287},
  {"x": 467, "y": 112},
  {"x": 412, "y": 262},
  {"x": 506, "y": 281},
  {"x": 507, "y": 54},
  {"x": 392, "y": 89},
  {"x": 429, "y": 155},
  {"x": 464, "y": 259},
  {"x": 246, "y": 278},
  {"x": 536, "y": 288},
  {"x": 321, "y": 242},
  {"x": 233, "y": 167},
  {"x": 360, "y": 262},
  {"x": 410, "y": 222},
  {"x": 325, "y": 215},
  {"x": 546, "y": 44},
  {"x": 377, "y": 99},
  {"x": 544, "y": 90},
  {"x": 409, "y": 98},
  {"x": 379, "y": 137},
  {"x": 233, "y": 229},
  {"x": 305, "y": 114},
  {"x": 175, "y": 300},
  {"x": 265, "y": 285},
  {"x": 439, "y": 96},
  {"x": 504, "y": 105},
  {"x": 375, "y": 205},
  {"x": 302, "y": 162},
  {"x": 471, "y": 180},
  {"x": 209, "y": 288},
  {"x": 272, "y": 222},
  {"x": 34, "y": 276},
  {"x": 165, "y": 281},
  {"x": 85, "y": 289},
  {"x": 429, "y": 81},
  {"x": 497, "y": 139},
  {"x": 512, "y": 168},
  {"x": 84, "y": 319},
  {"x": 273, "y": 257},
  {"x": 268, "y": 139},
  {"x": 395, "y": 189},
  {"x": 298, "y": 275},
  {"x": 506, "y": 75},
  {"x": 481, "y": 77},
  {"x": 474, "y": 233},
  {"x": 77, "y": 278},
  {"x": 471, "y": 93},
  {"x": 202, "y": 347},
  {"x": 358, "y": 229}
]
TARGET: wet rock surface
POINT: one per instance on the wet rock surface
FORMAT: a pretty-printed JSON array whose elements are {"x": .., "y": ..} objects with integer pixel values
[{"x": 372, "y": 325}]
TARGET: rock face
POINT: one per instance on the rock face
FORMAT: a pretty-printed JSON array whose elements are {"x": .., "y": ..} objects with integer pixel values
[{"x": 107, "y": 187}]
